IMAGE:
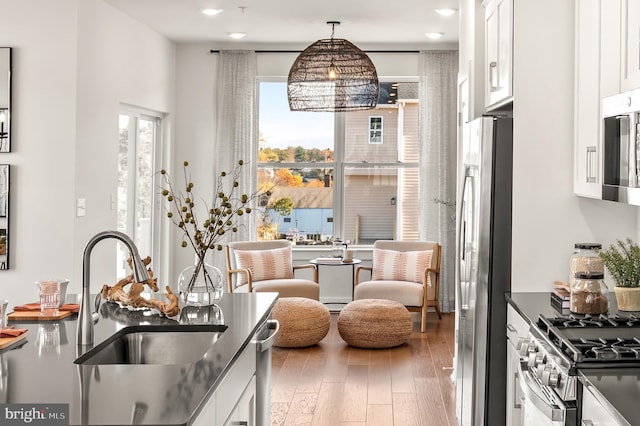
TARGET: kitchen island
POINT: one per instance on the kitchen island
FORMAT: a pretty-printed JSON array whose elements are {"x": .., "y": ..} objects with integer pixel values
[
  {"x": 615, "y": 391},
  {"x": 42, "y": 370}
]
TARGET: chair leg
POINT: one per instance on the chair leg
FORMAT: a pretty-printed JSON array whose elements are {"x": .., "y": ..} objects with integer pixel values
[
  {"x": 438, "y": 310},
  {"x": 423, "y": 325}
]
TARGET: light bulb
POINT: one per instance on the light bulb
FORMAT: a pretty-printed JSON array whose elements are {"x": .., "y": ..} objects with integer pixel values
[{"x": 332, "y": 71}]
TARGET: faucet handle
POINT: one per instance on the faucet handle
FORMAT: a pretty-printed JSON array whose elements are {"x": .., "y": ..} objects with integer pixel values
[{"x": 96, "y": 304}]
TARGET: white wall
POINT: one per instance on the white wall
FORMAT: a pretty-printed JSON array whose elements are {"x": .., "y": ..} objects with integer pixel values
[
  {"x": 43, "y": 142},
  {"x": 74, "y": 63},
  {"x": 119, "y": 61}
]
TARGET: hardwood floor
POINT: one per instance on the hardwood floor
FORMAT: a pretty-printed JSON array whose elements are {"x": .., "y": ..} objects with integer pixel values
[{"x": 336, "y": 384}]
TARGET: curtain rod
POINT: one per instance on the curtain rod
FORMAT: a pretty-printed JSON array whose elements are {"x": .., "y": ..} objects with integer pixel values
[{"x": 299, "y": 51}]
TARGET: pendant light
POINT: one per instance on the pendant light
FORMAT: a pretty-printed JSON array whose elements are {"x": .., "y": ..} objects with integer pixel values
[{"x": 332, "y": 75}]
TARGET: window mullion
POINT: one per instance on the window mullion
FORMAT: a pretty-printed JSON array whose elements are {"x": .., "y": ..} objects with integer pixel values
[{"x": 338, "y": 170}]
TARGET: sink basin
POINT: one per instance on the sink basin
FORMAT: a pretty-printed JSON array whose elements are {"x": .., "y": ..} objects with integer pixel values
[{"x": 169, "y": 345}]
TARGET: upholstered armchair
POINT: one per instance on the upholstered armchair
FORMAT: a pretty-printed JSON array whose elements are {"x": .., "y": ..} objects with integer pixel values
[
  {"x": 405, "y": 271},
  {"x": 259, "y": 266}
]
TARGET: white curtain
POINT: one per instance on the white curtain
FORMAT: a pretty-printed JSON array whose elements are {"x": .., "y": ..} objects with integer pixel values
[
  {"x": 438, "y": 72},
  {"x": 236, "y": 134}
]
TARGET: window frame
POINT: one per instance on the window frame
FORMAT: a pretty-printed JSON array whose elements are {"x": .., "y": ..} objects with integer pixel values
[
  {"x": 136, "y": 114},
  {"x": 338, "y": 165},
  {"x": 372, "y": 130}
]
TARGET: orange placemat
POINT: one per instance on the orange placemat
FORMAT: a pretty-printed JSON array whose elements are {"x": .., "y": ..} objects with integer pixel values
[
  {"x": 10, "y": 336},
  {"x": 71, "y": 307},
  {"x": 36, "y": 315}
]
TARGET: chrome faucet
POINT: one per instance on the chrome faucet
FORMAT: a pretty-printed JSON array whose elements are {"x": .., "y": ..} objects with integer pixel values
[{"x": 86, "y": 317}]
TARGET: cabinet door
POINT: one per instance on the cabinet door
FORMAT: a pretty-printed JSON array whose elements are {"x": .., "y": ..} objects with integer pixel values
[
  {"x": 630, "y": 78},
  {"x": 610, "y": 44},
  {"x": 208, "y": 414},
  {"x": 517, "y": 327},
  {"x": 587, "y": 152},
  {"x": 244, "y": 414},
  {"x": 498, "y": 52},
  {"x": 593, "y": 412}
]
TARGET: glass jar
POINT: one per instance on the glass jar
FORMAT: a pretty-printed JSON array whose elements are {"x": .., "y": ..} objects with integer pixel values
[
  {"x": 584, "y": 259},
  {"x": 589, "y": 294}
]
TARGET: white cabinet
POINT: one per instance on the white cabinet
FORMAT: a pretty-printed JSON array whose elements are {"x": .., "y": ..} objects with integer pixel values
[
  {"x": 587, "y": 148},
  {"x": 517, "y": 332},
  {"x": 610, "y": 45},
  {"x": 233, "y": 402},
  {"x": 598, "y": 61},
  {"x": 239, "y": 381},
  {"x": 244, "y": 414},
  {"x": 593, "y": 412},
  {"x": 630, "y": 39},
  {"x": 498, "y": 32}
]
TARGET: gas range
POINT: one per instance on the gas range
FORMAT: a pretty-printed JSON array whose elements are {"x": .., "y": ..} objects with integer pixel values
[
  {"x": 558, "y": 346},
  {"x": 595, "y": 341}
]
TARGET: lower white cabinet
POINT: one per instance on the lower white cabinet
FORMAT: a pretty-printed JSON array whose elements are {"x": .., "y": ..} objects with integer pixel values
[
  {"x": 244, "y": 413},
  {"x": 593, "y": 412},
  {"x": 233, "y": 402}
]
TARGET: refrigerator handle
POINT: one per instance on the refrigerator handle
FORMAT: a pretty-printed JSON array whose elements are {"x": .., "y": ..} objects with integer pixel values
[{"x": 462, "y": 240}]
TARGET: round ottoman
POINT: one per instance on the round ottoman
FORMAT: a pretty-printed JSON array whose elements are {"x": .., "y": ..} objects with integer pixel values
[
  {"x": 375, "y": 323},
  {"x": 303, "y": 322}
]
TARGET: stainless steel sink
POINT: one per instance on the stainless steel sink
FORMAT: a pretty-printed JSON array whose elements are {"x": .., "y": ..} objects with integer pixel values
[{"x": 168, "y": 345}]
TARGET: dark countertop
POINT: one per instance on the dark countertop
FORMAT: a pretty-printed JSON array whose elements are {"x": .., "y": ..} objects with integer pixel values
[
  {"x": 35, "y": 373},
  {"x": 617, "y": 388}
]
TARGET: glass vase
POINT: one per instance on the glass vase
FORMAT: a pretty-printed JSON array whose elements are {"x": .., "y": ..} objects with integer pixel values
[{"x": 200, "y": 284}]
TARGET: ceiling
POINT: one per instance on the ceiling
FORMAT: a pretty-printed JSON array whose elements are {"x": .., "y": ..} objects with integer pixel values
[{"x": 373, "y": 22}]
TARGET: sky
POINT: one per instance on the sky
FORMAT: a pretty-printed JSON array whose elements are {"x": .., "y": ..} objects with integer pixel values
[{"x": 283, "y": 128}]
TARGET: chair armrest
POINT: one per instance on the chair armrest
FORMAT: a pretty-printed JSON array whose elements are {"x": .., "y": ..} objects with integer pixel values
[
  {"x": 245, "y": 271},
  {"x": 426, "y": 274},
  {"x": 358, "y": 269},
  {"x": 308, "y": 266}
]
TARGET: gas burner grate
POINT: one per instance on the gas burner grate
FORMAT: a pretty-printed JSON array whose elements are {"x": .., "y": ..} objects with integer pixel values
[
  {"x": 608, "y": 349},
  {"x": 594, "y": 341},
  {"x": 585, "y": 321}
]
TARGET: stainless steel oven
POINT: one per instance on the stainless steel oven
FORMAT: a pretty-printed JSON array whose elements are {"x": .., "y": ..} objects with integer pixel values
[
  {"x": 558, "y": 348},
  {"x": 548, "y": 390}
]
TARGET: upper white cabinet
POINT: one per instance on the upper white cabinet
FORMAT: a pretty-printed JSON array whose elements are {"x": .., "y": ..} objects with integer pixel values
[
  {"x": 610, "y": 46},
  {"x": 587, "y": 148},
  {"x": 600, "y": 72},
  {"x": 498, "y": 31},
  {"x": 630, "y": 38}
]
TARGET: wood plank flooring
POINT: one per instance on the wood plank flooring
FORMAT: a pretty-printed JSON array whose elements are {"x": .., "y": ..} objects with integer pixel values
[{"x": 335, "y": 384}]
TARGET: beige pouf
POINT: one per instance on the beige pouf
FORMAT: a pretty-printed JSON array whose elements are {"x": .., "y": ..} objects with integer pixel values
[
  {"x": 375, "y": 323},
  {"x": 303, "y": 322}
]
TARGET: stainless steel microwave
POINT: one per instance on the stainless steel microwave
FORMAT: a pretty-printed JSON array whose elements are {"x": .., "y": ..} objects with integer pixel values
[{"x": 621, "y": 148}]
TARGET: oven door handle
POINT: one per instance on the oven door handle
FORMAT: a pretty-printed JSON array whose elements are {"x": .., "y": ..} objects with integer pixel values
[{"x": 528, "y": 385}]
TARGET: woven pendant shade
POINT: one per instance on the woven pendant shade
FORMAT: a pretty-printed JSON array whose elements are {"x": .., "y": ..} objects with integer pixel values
[{"x": 353, "y": 85}]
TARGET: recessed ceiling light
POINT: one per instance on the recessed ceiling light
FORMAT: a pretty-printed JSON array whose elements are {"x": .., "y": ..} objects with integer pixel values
[
  {"x": 211, "y": 12},
  {"x": 446, "y": 11},
  {"x": 434, "y": 36},
  {"x": 237, "y": 36}
]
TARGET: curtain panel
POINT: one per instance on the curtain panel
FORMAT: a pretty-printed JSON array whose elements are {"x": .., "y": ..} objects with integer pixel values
[
  {"x": 438, "y": 73},
  {"x": 236, "y": 133}
]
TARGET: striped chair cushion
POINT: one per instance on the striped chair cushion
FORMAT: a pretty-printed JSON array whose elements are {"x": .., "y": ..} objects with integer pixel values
[
  {"x": 392, "y": 265},
  {"x": 264, "y": 264}
]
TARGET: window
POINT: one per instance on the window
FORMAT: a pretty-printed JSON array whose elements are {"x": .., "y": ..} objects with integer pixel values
[
  {"x": 375, "y": 129},
  {"x": 139, "y": 138},
  {"x": 333, "y": 176}
]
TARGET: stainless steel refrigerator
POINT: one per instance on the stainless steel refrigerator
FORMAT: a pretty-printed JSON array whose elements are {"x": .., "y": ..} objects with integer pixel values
[{"x": 483, "y": 269}]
